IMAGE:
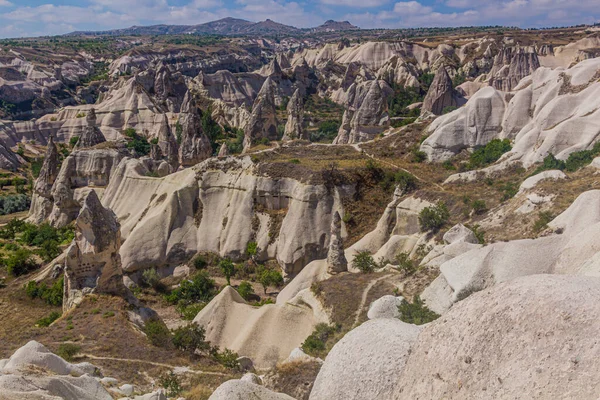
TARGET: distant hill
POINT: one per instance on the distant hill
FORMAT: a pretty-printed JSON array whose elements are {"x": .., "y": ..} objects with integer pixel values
[{"x": 225, "y": 26}]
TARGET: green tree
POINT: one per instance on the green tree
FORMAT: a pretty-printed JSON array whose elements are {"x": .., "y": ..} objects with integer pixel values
[
  {"x": 228, "y": 269},
  {"x": 269, "y": 277},
  {"x": 433, "y": 218},
  {"x": 364, "y": 262},
  {"x": 245, "y": 290}
]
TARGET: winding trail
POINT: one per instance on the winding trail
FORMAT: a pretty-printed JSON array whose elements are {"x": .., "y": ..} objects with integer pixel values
[
  {"x": 365, "y": 294},
  {"x": 157, "y": 364}
]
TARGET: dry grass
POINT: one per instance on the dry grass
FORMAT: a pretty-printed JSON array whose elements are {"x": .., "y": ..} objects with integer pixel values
[{"x": 294, "y": 379}]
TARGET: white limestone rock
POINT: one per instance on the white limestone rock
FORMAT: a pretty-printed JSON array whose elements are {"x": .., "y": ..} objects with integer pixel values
[{"x": 385, "y": 307}]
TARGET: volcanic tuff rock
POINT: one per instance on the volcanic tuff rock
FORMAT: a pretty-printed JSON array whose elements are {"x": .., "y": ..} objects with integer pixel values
[
  {"x": 511, "y": 65},
  {"x": 336, "y": 260},
  {"x": 168, "y": 143},
  {"x": 241, "y": 389},
  {"x": 263, "y": 121},
  {"x": 42, "y": 200},
  {"x": 93, "y": 263},
  {"x": 441, "y": 93},
  {"x": 366, "y": 113},
  {"x": 195, "y": 145},
  {"x": 294, "y": 128},
  {"x": 544, "y": 109},
  {"x": 91, "y": 135}
]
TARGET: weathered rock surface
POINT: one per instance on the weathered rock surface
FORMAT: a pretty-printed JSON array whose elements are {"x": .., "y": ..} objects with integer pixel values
[
  {"x": 532, "y": 337},
  {"x": 238, "y": 389},
  {"x": 263, "y": 120},
  {"x": 267, "y": 334},
  {"x": 385, "y": 307},
  {"x": 195, "y": 145},
  {"x": 441, "y": 93},
  {"x": 42, "y": 200},
  {"x": 294, "y": 127},
  {"x": 367, "y": 362},
  {"x": 33, "y": 372},
  {"x": 91, "y": 135},
  {"x": 460, "y": 233},
  {"x": 93, "y": 263},
  {"x": 511, "y": 65},
  {"x": 366, "y": 113},
  {"x": 336, "y": 259}
]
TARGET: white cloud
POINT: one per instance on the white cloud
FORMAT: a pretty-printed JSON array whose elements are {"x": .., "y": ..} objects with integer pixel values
[
  {"x": 356, "y": 3},
  {"x": 5, "y": 3},
  {"x": 411, "y": 8}
]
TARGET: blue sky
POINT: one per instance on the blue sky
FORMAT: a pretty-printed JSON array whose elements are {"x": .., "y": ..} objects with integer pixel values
[{"x": 49, "y": 17}]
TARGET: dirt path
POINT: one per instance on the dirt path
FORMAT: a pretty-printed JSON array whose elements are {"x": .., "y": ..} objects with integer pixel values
[
  {"x": 156, "y": 364},
  {"x": 365, "y": 294}
]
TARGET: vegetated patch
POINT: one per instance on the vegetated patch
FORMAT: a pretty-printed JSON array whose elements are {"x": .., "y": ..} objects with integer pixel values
[
  {"x": 489, "y": 154},
  {"x": 295, "y": 379},
  {"x": 416, "y": 312},
  {"x": 315, "y": 344}
]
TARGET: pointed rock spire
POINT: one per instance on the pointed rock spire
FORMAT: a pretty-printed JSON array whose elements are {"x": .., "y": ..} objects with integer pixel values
[
  {"x": 224, "y": 150},
  {"x": 195, "y": 145},
  {"x": 294, "y": 128},
  {"x": 168, "y": 143},
  {"x": 263, "y": 121},
  {"x": 91, "y": 135},
  {"x": 336, "y": 259},
  {"x": 440, "y": 94},
  {"x": 49, "y": 170}
]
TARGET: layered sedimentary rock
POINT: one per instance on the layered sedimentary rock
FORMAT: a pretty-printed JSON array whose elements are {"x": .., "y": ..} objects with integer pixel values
[
  {"x": 441, "y": 93},
  {"x": 366, "y": 113},
  {"x": 195, "y": 145},
  {"x": 219, "y": 206},
  {"x": 263, "y": 120},
  {"x": 91, "y": 135},
  {"x": 92, "y": 262},
  {"x": 42, "y": 200},
  {"x": 552, "y": 111},
  {"x": 294, "y": 127},
  {"x": 511, "y": 65},
  {"x": 336, "y": 259}
]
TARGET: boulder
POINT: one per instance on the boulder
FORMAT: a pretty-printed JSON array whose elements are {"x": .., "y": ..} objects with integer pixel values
[
  {"x": 367, "y": 363},
  {"x": 460, "y": 233},
  {"x": 93, "y": 263},
  {"x": 532, "y": 181},
  {"x": 385, "y": 307},
  {"x": 294, "y": 127},
  {"x": 336, "y": 259},
  {"x": 238, "y": 389},
  {"x": 531, "y": 338}
]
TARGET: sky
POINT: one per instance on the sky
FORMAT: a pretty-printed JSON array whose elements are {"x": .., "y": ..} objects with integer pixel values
[{"x": 20, "y": 18}]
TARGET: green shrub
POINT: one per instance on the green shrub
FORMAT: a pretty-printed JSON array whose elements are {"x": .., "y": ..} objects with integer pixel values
[
  {"x": 479, "y": 234},
  {"x": 68, "y": 351},
  {"x": 228, "y": 269},
  {"x": 20, "y": 263},
  {"x": 199, "y": 289},
  {"x": 171, "y": 383},
  {"x": 315, "y": 344},
  {"x": 580, "y": 159},
  {"x": 228, "y": 359},
  {"x": 189, "y": 312},
  {"x": 47, "y": 321},
  {"x": 364, "y": 262},
  {"x": 405, "y": 263},
  {"x": 489, "y": 153},
  {"x": 245, "y": 290},
  {"x": 150, "y": 278},
  {"x": 138, "y": 143},
  {"x": 52, "y": 295},
  {"x": 416, "y": 312},
  {"x": 405, "y": 181},
  {"x": 251, "y": 249},
  {"x": 108, "y": 314},
  {"x": 550, "y": 163},
  {"x": 434, "y": 217},
  {"x": 199, "y": 262},
  {"x": 190, "y": 338},
  {"x": 544, "y": 217},
  {"x": 326, "y": 132},
  {"x": 73, "y": 141},
  {"x": 269, "y": 277},
  {"x": 419, "y": 156},
  {"x": 157, "y": 332},
  {"x": 509, "y": 190},
  {"x": 479, "y": 206}
]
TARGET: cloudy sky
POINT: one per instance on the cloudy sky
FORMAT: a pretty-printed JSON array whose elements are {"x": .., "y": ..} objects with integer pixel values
[{"x": 49, "y": 17}]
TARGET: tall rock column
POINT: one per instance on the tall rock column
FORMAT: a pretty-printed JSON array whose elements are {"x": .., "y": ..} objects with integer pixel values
[
  {"x": 93, "y": 263},
  {"x": 195, "y": 146},
  {"x": 168, "y": 143},
  {"x": 91, "y": 135},
  {"x": 42, "y": 200},
  {"x": 440, "y": 94},
  {"x": 294, "y": 128},
  {"x": 263, "y": 121},
  {"x": 336, "y": 259}
]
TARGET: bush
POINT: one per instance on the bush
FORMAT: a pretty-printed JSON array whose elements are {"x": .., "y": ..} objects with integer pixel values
[
  {"x": 509, "y": 190},
  {"x": 199, "y": 289},
  {"x": 314, "y": 345},
  {"x": 541, "y": 223},
  {"x": 157, "y": 332},
  {"x": 479, "y": 206},
  {"x": 227, "y": 358},
  {"x": 14, "y": 203},
  {"x": 199, "y": 262},
  {"x": 73, "y": 141},
  {"x": 190, "y": 338},
  {"x": 150, "y": 278},
  {"x": 405, "y": 263},
  {"x": 364, "y": 262},
  {"x": 479, "y": 234},
  {"x": 416, "y": 312},
  {"x": 228, "y": 269},
  {"x": 52, "y": 295},
  {"x": 47, "y": 321},
  {"x": 138, "y": 143},
  {"x": 580, "y": 159},
  {"x": 20, "y": 263},
  {"x": 550, "y": 163},
  {"x": 245, "y": 290},
  {"x": 68, "y": 351},
  {"x": 433, "y": 218},
  {"x": 269, "y": 277},
  {"x": 170, "y": 382},
  {"x": 489, "y": 153},
  {"x": 419, "y": 156},
  {"x": 189, "y": 312},
  {"x": 327, "y": 131},
  {"x": 251, "y": 249}
]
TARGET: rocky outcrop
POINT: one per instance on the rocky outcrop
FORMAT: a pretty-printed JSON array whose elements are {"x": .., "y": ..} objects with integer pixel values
[
  {"x": 92, "y": 262},
  {"x": 263, "y": 120},
  {"x": 511, "y": 65},
  {"x": 241, "y": 389},
  {"x": 544, "y": 109},
  {"x": 167, "y": 143},
  {"x": 195, "y": 145},
  {"x": 366, "y": 113},
  {"x": 441, "y": 93},
  {"x": 294, "y": 128},
  {"x": 91, "y": 135},
  {"x": 336, "y": 259},
  {"x": 223, "y": 151},
  {"x": 385, "y": 307},
  {"x": 33, "y": 372},
  {"x": 42, "y": 200},
  {"x": 360, "y": 367}
]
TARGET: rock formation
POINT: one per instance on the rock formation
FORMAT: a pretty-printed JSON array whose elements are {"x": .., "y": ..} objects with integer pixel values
[
  {"x": 224, "y": 150},
  {"x": 294, "y": 128},
  {"x": 93, "y": 263},
  {"x": 263, "y": 120},
  {"x": 91, "y": 135},
  {"x": 241, "y": 389},
  {"x": 168, "y": 143},
  {"x": 366, "y": 113},
  {"x": 42, "y": 200},
  {"x": 511, "y": 65},
  {"x": 336, "y": 259},
  {"x": 385, "y": 307},
  {"x": 195, "y": 145},
  {"x": 441, "y": 93}
]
